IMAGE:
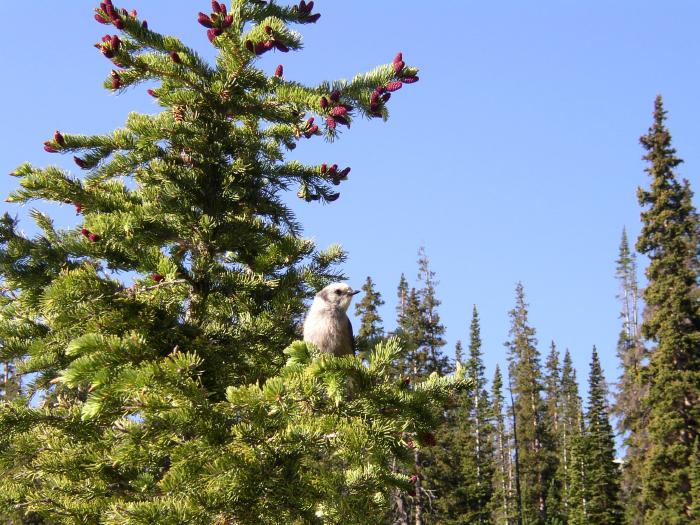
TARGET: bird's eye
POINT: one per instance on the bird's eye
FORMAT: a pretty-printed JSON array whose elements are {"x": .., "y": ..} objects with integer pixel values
[{"x": 337, "y": 292}]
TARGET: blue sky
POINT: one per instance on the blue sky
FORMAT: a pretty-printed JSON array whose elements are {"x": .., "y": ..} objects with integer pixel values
[{"x": 515, "y": 158}]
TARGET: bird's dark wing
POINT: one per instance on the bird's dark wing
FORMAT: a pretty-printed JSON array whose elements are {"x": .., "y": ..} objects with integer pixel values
[{"x": 352, "y": 338}]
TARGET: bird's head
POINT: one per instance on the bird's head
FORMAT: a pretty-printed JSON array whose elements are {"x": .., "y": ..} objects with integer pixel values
[{"x": 336, "y": 295}]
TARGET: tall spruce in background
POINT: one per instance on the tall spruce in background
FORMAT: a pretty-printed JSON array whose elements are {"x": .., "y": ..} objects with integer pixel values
[
  {"x": 462, "y": 467},
  {"x": 631, "y": 388},
  {"x": 371, "y": 330},
  {"x": 602, "y": 472},
  {"x": 173, "y": 400},
  {"x": 535, "y": 471},
  {"x": 574, "y": 481},
  {"x": 502, "y": 496},
  {"x": 431, "y": 328},
  {"x": 483, "y": 454},
  {"x": 553, "y": 423},
  {"x": 669, "y": 237}
]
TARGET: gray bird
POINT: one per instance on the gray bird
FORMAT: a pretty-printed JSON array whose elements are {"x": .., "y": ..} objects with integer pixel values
[{"x": 327, "y": 325}]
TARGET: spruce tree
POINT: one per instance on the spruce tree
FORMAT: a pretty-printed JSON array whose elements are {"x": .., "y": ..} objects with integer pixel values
[
  {"x": 669, "y": 237},
  {"x": 502, "y": 503},
  {"x": 183, "y": 397},
  {"x": 631, "y": 388},
  {"x": 553, "y": 423},
  {"x": 367, "y": 310},
  {"x": 602, "y": 473},
  {"x": 432, "y": 330},
  {"x": 463, "y": 462},
  {"x": 573, "y": 460},
  {"x": 529, "y": 414}
]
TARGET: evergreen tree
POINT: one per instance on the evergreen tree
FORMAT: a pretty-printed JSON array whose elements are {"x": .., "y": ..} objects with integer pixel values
[
  {"x": 535, "y": 470},
  {"x": 367, "y": 310},
  {"x": 669, "y": 237},
  {"x": 502, "y": 502},
  {"x": 173, "y": 399},
  {"x": 631, "y": 388},
  {"x": 462, "y": 470},
  {"x": 553, "y": 423},
  {"x": 431, "y": 329},
  {"x": 602, "y": 473},
  {"x": 573, "y": 501}
]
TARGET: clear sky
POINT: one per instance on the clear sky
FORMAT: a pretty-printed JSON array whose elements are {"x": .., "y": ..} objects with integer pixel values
[{"x": 515, "y": 158}]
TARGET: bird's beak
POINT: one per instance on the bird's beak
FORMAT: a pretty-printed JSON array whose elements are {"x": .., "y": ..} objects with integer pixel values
[{"x": 355, "y": 292}]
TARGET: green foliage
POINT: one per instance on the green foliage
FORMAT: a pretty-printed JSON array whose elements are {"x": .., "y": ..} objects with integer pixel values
[
  {"x": 631, "y": 388},
  {"x": 534, "y": 462},
  {"x": 463, "y": 462},
  {"x": 602, "y": 473},
  {"x": 367, "y": 309},
  {"x": 152, "y": 332},
  {"x": 669, "y": 237}
]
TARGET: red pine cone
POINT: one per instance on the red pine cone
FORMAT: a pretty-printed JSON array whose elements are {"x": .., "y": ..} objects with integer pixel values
[
  {"x": 323, "y": 102},
  {"x": 373, "y": 97},
  {"x": 311, "y": 132},
  {"x": 85, "y": 232},
  {"x": 227, "y": 21},
  {"x": 215, "y": 6},
  {"x": 152, "y": 93},
  {"x": 335, "y": 96},
  {"x": 118, "y": 23},
  {"x": 398, "y": 57},
  {"x": 94, "y": 237},
  {"x": 268, "y": 30},
  {"x": 213, "y": 33},
  {"x": 116, "y": 80},
  {"x": 175, "y": 57},
  {"x": 115, "y": 42},
  {"x": 344, "y": 174},
  {"x": 101, "y": 19},
  {"x": 49, "y": 148},
  {"x": 333, "y": 197},
  {"x": 269, "y": 44},
  {"x": 144, "y": 24},
  {"x": 80, "y": 162},
  {"x": 279, "y": 71},
  {"x": 78, "y": 208},
  {"x": 333, "y": 169},
  {"x": 204, "y": 20},
  {"x": 398, "y": 67},
  {"x": 314, "y": 18},
  {"x": 393, "y": 86},
  {"x": 133, "y": 13},
  {"x": 386, "y": 97},
  {"x": 250, "y": 46},
  {"x": 338, "y": 111},
  {"x": 410, "y": 79},
  {"x": 59, "y": 138},
  {"x": 374, "y": 107},
  {"x": 157, "y": 277},
  {"x": 324, "y": 168},
  {"x": 380, "y": 89},
  {"x": 223, "y": 8}
]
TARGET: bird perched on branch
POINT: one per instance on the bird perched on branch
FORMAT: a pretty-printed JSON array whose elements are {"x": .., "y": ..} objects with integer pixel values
[{"x": 327, "y": 324}]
